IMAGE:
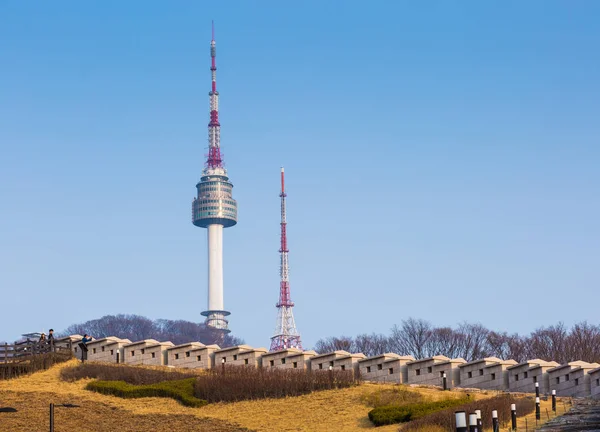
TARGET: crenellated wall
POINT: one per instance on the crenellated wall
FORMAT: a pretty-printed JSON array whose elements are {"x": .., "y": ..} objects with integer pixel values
[{"x": 576, "y": 379}]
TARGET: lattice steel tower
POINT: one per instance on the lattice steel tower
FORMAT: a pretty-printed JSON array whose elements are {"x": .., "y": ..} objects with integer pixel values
[
  {"x": 214, "y": 208},
  {"x": 286, "y": 335}
]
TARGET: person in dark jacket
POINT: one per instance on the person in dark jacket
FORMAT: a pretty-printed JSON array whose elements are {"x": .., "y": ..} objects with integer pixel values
[{"x": 83, "y": 346}]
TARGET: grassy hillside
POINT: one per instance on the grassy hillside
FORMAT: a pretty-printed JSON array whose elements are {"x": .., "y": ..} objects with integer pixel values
[{"x": 329, "y": 410}]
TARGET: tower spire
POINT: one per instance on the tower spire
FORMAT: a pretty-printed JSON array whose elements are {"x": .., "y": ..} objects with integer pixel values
[
  {"x": 214, "y": 159},
  {"x": 214, "y": 207},
  {"x": 286, "y": 335}
]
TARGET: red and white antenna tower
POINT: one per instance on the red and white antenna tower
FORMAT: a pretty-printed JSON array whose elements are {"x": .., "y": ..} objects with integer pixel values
[{"x": 286, "y": 335}]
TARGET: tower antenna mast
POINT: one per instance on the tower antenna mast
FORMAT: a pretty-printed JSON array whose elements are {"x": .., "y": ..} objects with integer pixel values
[{"x": 286, "y": 335}]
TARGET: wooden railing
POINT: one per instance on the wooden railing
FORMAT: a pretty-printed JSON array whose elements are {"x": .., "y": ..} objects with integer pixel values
[{"x": 22, "y": 351}]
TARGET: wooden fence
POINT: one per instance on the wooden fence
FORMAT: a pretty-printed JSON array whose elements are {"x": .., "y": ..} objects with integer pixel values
[{"x": 22, "y": 351}]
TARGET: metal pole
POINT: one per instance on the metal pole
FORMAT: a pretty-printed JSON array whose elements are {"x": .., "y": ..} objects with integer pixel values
[
  {"x": 473, "y": 423},
  {"x": 554, "y": 401},
  {"x": 51, "y": 417},
  {"x": 537, "y": 389},
  {"x": 495, "y": 422},
  {"x": 461, "y": 421},
  {"x": 444, "y": 381},
  {"x": 513, "y": 416},
  {"x": 538, "y": 415}
]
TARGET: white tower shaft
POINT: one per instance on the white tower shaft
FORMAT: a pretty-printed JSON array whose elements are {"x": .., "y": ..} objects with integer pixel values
[{"x": 215, "y": 267}]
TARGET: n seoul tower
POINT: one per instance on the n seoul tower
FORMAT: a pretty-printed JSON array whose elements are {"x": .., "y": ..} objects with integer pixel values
[
  {"x": 286, "y": 335},
  {"x": 214, "y": 208}
]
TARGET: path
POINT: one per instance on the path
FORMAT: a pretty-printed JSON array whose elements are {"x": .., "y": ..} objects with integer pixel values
[{"x": 583, "y": 417}]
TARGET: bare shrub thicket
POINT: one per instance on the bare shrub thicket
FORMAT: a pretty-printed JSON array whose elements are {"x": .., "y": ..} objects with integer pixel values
[
  {"x": 236, "y": 383},
  {"x": 421, "y": 339},
  {"x": 135, "y": 328},
  {"x": 445, "y": 419},
  {"x": 130, "y": 374}
]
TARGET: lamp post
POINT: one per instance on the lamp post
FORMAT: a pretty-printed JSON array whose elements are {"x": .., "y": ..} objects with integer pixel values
[
  {"x": 554, "y": 400},
  {"x": 495, "y": 421},
  {"x": 461, "y": 421},
  {"x": 473, "y": 423},
  {"x": 479, "y": 421},
  {"x": 223, "y": 366},
  {"x": 52, "y": 413},
  {"x": 444, "y": 381},
  {"x": 513, "y": 416}
]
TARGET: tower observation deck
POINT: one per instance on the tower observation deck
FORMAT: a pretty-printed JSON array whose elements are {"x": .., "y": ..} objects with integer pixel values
[{"x": 214, "y": 207}]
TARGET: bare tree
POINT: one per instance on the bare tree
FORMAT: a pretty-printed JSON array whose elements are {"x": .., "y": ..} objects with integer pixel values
[
  {"x": 583, "y": 342},
  {"x": 330, "y": 344},
  {"x": 420, "y": 339},
  {"x": 445, "y": 341},
  {"x": 135, "y": 328},
  {"x": 473, "y": 341},
  {"x": 412, "y": 338},
  {"x": 550, "y": 343},
  {"x": 371, "y": 345}
]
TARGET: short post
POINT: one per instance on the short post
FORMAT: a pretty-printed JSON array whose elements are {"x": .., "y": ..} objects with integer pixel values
[
  {"x": 479, "y": 421},
  {"x": 554, "y": 401},
  {"x": 5, "y": 352},
  {"x": 473, "y": 423},
  {"x": 223, "y": 366},
  {"x": 51, "y": 417},
  {"x": 461, "y": 421},
  {"x": 444, "y": 381},
  {"x": 495, "y": 422},
  {"x": 537, "y": 389},
  {"x": 538, "y": 415},
  {"x": 513, "y": 416},
  {"x": 331, "y": 376}
]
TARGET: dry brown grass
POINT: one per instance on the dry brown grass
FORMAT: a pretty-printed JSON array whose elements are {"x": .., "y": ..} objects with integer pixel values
[
  {"x": 328, "y": 410},
  {"x": 94, "y": 416}
]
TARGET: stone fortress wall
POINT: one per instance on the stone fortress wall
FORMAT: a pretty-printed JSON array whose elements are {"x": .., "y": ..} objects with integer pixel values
[{"x": 575, "y": 379}]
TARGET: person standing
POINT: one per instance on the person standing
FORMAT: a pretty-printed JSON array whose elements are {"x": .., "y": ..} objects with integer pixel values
[
  {"x": 83, "y": 345},
  {"x": 51, "y": 339}
]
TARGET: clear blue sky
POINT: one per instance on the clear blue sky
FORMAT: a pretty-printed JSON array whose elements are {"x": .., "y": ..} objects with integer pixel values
[{"x": 442, "y": 161}]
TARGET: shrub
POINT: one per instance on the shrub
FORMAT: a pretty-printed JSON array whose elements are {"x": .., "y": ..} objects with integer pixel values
[
  {"x": 129, "y": 374},
  {"x": 236, "y": 383},
  {"x": 392, "y": 414},
  {"x": 445, "y": 419},
  {"x": 180, "y": 390}
]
